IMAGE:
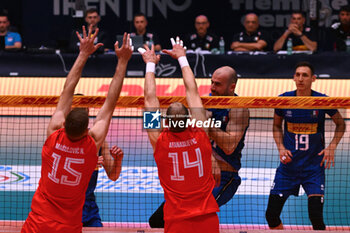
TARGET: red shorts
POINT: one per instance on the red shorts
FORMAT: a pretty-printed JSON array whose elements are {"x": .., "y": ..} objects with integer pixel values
[
  {"x": 39, "y": 224},
  {"x": 208, "y": 223}
]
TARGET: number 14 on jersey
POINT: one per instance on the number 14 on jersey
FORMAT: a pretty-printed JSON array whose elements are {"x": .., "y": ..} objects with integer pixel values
[{"x": 186, "y": 164}]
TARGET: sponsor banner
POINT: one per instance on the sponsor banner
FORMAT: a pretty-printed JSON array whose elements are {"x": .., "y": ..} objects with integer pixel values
[
  {"x": 255, "y": 181},
  {"x": 165, "y": 101},
  {"x": 50, "y": 86},
  {"x": 95, "y": 86}
]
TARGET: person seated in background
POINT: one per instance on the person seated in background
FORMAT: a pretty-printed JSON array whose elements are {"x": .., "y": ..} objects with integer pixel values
[
  {"x": 303, "y": 38},
  {"x": 341, "y": 30},
  {"x": 12, "y": 39},
  {"x": 201, "y": 38},
  {"x": 140, "y": 24},
  {"x": 251, "y": 39},
  {"x": 92, "y": 17}
]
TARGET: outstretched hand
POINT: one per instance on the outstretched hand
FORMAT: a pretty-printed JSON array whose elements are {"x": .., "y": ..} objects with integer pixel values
[
  {"x": 87, "y": 46},
  {"x": 148, "y": 55},
  {"x": 178, "y": 49},
  {"x": 125, "y": 51}
]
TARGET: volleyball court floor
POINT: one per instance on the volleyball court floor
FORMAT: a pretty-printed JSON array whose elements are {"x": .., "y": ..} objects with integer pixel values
[{"x": 127, "y": 203}]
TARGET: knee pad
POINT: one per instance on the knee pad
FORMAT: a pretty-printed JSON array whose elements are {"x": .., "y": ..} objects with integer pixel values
[
  {"x": 315, "y": 206},
  {"x": 274, "y": 209}
]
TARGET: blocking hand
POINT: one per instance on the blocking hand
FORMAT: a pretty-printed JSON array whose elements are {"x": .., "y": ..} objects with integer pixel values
[
  {"x": 125, "y": 51},
  {"x": 148, "y": 55},
  {"x": 178, "y": 49},
  {"x": 87, "y": 46}
]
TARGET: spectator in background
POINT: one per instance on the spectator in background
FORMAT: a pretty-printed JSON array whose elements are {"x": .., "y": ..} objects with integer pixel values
[
  {"x": 140, "y": 24},
  {"x": 202, "y": 38},
  {"x": 251, "y": 39},
  {"x": 12, "y": 39},
  {"x": 341, "y": 30},
  {"x": 92, "y": 17},
  {"x": 303, "y": 38}
]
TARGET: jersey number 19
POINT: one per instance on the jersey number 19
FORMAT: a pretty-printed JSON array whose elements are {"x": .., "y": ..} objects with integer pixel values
[{"x": 302, "y": 142}]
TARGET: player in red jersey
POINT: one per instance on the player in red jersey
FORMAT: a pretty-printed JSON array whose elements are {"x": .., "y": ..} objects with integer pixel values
[
  {"x": 69, "y": 153},
  {"x": 182, "y": 154}
]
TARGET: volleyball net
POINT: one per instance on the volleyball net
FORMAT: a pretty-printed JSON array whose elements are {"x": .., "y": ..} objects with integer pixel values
[{"x": 131, "y": 200}]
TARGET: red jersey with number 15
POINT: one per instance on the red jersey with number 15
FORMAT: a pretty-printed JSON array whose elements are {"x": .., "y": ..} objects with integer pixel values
[
  {"x": 65, "y": 174},
  {"x": 185, "y": 173}
]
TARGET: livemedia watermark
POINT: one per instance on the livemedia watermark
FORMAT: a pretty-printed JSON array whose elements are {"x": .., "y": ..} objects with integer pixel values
[{"x": 154, "y": 120}]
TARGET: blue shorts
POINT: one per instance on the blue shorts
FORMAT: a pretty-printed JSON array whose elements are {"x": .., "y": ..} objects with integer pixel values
[
  {"x": 287, "y": 183},
  {"x": 91, "y": 216},
  {"x": 228, "y": 187}
]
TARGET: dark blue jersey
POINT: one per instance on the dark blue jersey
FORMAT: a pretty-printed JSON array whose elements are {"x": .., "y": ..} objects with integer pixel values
[
  {"x": 304, "y": 134},
  {"x": 233, "y": 159},
  {"x": 91, "y": 216},
  {"x": 89, "y": 195}
]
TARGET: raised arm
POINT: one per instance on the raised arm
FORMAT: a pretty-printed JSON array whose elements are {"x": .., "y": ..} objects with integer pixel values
[
  {"x": 87, "y": 48},
  {"x": 192, "y": 96},
  {"x": 101, "y": 124},
  {"x": 151, "y": 100},
  {"x": 228, "y": 140},
  {"x": 339, "y": 131},
  {"x": 112, "y": 160}
]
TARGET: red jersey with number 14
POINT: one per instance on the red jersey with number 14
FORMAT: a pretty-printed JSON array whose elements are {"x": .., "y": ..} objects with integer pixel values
[
  {"x": 65, "y": 174},
  {"x": 185, "y": 173}
]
